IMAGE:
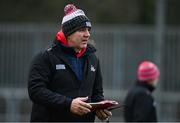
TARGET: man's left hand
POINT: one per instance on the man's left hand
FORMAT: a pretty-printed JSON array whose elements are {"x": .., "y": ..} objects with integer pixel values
[{"x": 103, "y": 114}]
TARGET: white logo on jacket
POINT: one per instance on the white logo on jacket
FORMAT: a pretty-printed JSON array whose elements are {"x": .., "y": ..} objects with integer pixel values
[
  {"x": 60, "y": 67},
  {"x": 92, "y": 68}
]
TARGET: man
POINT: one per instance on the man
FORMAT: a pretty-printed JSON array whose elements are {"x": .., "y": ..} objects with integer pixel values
[
  {"x": 139, "y": 103},
  {"x": 67, "y": 76}
]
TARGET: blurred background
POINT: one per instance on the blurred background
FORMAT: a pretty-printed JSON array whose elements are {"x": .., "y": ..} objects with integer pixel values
[{"x": 125, "y": 32}]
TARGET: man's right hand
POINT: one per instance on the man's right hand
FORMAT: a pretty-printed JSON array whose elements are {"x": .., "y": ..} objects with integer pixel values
[{"x": 80, "y": 107}]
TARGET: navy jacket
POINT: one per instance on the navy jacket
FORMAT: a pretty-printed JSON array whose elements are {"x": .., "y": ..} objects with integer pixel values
[
  {"x": 139, "y": 104},
  {"x": 52, "y": 84}
]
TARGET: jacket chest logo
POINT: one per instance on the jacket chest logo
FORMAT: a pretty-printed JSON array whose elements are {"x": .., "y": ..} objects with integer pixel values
[
  {"x": 60, "y": 67},
  {"x": 92, "y": 68}
]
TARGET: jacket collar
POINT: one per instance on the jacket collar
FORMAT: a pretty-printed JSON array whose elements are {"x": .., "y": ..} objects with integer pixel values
[
  {"x": 70, "y": 50},
  {"x": 62, "y": 38},
  {"x": 146, "y": 85}
]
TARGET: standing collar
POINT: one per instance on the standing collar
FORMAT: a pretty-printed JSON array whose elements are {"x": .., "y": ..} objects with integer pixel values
[
  {"x": 70, "y": 50},
  {"x": 146, "y": 85},
  {"x": 62, "y": 38}
]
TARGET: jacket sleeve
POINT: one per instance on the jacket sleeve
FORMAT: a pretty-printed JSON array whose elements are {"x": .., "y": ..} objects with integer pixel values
[
  {"x": 142, "y": 107},
  {"x": 98, "y": 86},
  {"x": 39, "y": 76}
]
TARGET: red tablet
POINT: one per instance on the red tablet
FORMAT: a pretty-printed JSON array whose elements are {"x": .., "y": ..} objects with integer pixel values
[{"x": 106, "y": 104}]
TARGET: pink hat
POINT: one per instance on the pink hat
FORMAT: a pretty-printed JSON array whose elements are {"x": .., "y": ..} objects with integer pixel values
[{"x": 148, "y": 71}]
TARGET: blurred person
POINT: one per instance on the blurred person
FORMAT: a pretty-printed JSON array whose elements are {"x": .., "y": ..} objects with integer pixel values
[
  {"x": 64, "y": 78},
  {"x": 139, "y": 103}
]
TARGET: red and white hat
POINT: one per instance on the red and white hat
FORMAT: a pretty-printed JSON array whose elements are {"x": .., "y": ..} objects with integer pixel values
[
  {"x": 74, "y": 20},
  {"x": 148, "y": 71}
]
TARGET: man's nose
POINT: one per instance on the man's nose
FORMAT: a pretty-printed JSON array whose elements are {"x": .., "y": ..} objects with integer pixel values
[{"x": 87, "y": 33}]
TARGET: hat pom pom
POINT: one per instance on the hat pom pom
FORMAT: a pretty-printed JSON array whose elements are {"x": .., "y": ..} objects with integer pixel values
[{"x": 69, "y": 9}]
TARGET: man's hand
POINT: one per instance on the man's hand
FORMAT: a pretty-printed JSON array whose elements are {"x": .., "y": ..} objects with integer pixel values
[
  {"x": 103, "y": 114},
  {"x": 79, "y": 107}
]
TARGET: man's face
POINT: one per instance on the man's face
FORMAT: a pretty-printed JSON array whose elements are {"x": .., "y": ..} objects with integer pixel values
[
  {"x": 154, "y": 82},
  {"x": 79, "y": 39}
]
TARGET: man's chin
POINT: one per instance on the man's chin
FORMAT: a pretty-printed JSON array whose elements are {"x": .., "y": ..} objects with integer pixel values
[{"x": 83, "y": 46}]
